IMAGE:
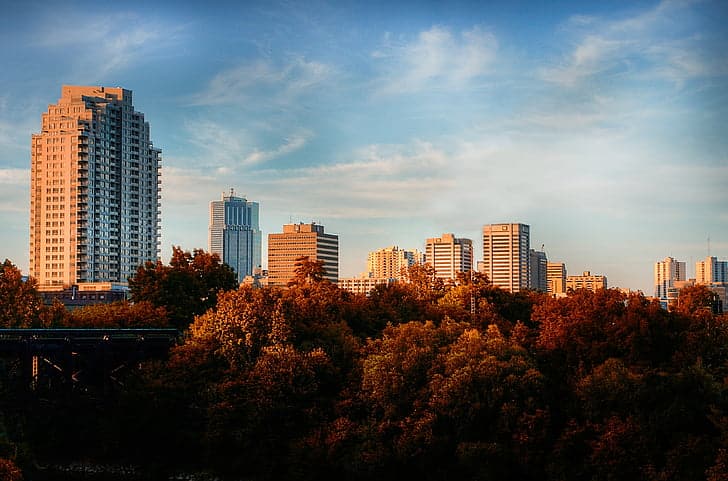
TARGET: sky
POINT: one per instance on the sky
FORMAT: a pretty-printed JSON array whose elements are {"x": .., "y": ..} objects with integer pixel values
[{"x": 602, "y": 125}]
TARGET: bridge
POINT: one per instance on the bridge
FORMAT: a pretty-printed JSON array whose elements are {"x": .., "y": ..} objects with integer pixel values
[{"x": 81, "y": 359}]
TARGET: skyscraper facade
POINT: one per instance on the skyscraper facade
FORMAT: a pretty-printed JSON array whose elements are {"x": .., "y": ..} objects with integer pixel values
[
  {"x": 667, "y": 273},
  {"x": 95, "y": 185},
  {"x": 449, "y": 255},
  {"x": 538, "y": 271},
  {"x": 390, "y": 262},
  {"x": 299, "y": 240},
  {"x": 234, "y": 233},
  {"x": 506, "y": 257}
]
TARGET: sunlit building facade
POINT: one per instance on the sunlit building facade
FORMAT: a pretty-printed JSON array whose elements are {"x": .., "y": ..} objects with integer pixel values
[
  {"x": 556, "y": 278},
  {"x": 449, "y": 255},
  {"x": 234, "y": 233},
  {"x": 711, "y": 271},
  {"x": 506, "y": 255},
  {"x": 586, "y": 280},
  {"x": 301, "y": 240},
  {"x": 392, "y": 262},
  {"x": 95, "y": 190},
  {"x": 668, "y": 272}
]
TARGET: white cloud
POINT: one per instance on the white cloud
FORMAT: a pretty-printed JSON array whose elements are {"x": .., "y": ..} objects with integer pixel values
[
  {"x": 436, "y": 59},
  {"x": 242, "y": 84},
  {"x": 651, "y": 44},
  {"x": 289, "y": 145},
  {"x": 15, "y": 176},
  {"x": 382, "y": 181},
  {"x": 225, "y": 148},
  {"x": 110, "y": 42}
]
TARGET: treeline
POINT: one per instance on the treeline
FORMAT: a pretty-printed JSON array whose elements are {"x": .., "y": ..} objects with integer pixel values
[{"x": 419, "y": 380}]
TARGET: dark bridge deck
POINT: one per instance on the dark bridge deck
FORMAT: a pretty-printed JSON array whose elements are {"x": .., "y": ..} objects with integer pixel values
[{"x": 82, "y": 358}]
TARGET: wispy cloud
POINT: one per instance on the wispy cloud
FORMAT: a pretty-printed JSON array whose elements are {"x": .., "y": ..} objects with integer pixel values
[
  {"x": 276, "y": 83},
  {"x": 378, "y": 178},
  {"x": 15, "y": 176},
  {"x": 652, "y": 44},
  {"x": 437, "y": 58},
  {"x": 118, "y": 39},
  {"x": 227, "y": 147}
]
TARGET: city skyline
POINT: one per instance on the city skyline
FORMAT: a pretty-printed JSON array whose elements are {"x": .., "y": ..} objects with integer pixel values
[{"x": 600, "y": 126}]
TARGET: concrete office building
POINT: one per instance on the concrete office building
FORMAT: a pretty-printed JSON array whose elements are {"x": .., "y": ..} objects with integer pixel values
[
  {"x": 95, "y": 185},
  {"x": 506, "y": 257},
  {"x": 586, "y": 281},
  {"x": 234, "y": 233},
  {"x": 556, "y": 278},
  {"x": 667, "y": 273},
  {"x": 449, "y": 255},
  {"x": 711, "y": 271},
  {"x": 363, "y": 285},
  {"x": 391, "y": 262},
  {"x": 298, "y": 240}
]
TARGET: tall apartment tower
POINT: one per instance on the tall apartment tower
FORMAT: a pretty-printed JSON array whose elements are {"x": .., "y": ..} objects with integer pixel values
[
  {"x": 538, "y": 272},
  {"x": 667, "y": 272},
  {"x": 389, "y": 262},
  {"x": 449, "y": 255},
  {"x": 95, "y": 185},
  {"x": 711, "y": 271},
  {"x": 235, "y": 233},
  {"x": 506, "y": 256},
  {"x": 299, "y": 240},
  {"x": 556, "y": 278}
]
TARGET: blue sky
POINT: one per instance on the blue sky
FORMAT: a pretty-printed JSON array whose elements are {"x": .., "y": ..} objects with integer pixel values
[{"x": 600, "y": 124}]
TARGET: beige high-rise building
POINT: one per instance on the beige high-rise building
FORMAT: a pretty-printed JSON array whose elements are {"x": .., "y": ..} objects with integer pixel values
[
  {"x": 711, "y": 271},
  {"x": 449, "y": 255},
  {"x": 556, "y": 277},
  {"x": 298, "y": 240},
  {"x": 506, "y": 258},
  {"x": 94, "y": 202},
  {"x": 391, "y": 262},
  {"x": 667, "y": 273},
  {"x": 586, "y": 281}
]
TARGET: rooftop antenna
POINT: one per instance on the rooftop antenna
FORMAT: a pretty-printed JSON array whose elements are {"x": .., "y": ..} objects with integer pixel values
[
  {"x": 232, "y": 192},
  {"x": 708, "y": 245}
]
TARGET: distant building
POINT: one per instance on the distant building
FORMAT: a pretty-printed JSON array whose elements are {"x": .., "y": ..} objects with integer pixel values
[
  {"x": 363, "y": 285},
  {"x": 586, "y": 281},
  {"x": 449, "y": 255},
  {"x": 95, "y": 190},
  {"x": 711, "y": 271},
  {"x": 86, "y": 294},
  {"x": 668, "y": 272},
  {"x": 234, "y": 233},
  {"x": 538, "y": 271},
  {"x": 390, "y": 262},
  {"x": 298, "y": 240},
  {"x": 506, "y": 256},
  {"x": 556, "y": 277}
]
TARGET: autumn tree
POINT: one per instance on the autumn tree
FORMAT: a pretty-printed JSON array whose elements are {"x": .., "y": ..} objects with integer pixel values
[
  {"x": 20, "y": 304},
  {"x": 122, "y": 314},
  {"x": 188, "y": 286}
]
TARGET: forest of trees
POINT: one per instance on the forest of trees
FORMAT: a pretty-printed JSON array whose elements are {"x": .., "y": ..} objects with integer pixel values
[{"x": 420, "y": 380}]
